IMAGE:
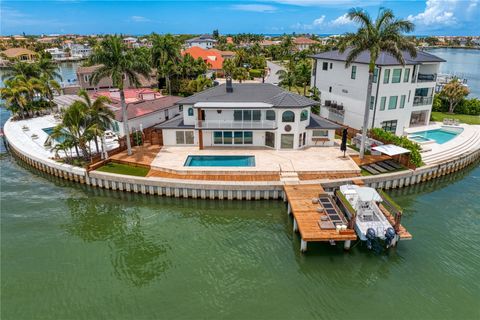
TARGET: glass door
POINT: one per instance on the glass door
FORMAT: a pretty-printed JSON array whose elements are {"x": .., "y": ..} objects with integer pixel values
[{"x": 270, "y": 139}]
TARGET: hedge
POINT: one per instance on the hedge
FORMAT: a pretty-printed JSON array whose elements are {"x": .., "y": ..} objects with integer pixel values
[{"x": 404, "y": 142}]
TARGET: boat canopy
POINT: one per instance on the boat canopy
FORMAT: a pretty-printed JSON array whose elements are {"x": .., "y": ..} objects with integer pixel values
[
  {"x": 367, "y": 194},
  {"x": 390, "y": 149}
]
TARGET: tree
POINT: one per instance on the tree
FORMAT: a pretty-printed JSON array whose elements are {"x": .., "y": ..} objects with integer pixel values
[
  {"x": 383, "y": 34},
  {"x": 14, "y": 97},
  {"x": 229, "y": 67},
  {"x": 165, "y": 56},
  {"x": 20, "y": 68},
  {"x": 454, "y": 92},
  {"x": 48, "y": 68},
  {"x": 118, "y": 63},
  {"x": 303, "y": 74},
  {"x": 199, "y": 84},
  {"x": 241, "y": 74}
]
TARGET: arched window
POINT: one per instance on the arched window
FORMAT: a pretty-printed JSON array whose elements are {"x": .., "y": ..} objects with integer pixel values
[
  {"x": 270, "y": 115},
  {"x": 304, "y": 115},
  {"x": 288, "y": 116},
  {"x": 190, "y": 112}
]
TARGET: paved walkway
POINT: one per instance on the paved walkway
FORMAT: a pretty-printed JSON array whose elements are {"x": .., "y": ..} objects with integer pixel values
[{"x": 272, "y": 76}]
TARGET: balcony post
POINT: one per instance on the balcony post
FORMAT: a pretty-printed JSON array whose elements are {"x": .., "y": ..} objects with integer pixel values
[{"x": 200, "y": 132}]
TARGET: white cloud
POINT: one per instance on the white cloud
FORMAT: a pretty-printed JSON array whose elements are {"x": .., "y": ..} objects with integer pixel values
[
  {"x": 362, "y": 3},
  {"x": 437, "y": 12},
  {"x": 342, "y": 20},
  {"x": 319, "y": 21},
  {"x": 254, "y": 7},
  {"x": 139, "y": 19}
]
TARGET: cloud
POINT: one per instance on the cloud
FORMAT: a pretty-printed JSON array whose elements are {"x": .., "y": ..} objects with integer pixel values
[
  {"x": 255, "y": 7},
  {"x": 342, "y": 21},
  {"x": 336, "y": 3},
  {"x": 139, "y": 19},
  {"x": 437, "y": 12},
  {"x": 321, "y": 22}
]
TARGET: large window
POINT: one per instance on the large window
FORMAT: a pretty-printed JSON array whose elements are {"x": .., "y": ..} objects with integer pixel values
[
  {"x": 390, "y": 126},
  {"x": 190, "y": 112},
  {"x": 319, "y": 133},
  {"x": 325, "y": 66},
  {"x": 286, "y": 141},
  {"x": 375, "y": 75},
  {"x": 406, "y": 75},
  {"x": 396, "y": 75},
  {"x": 184, "y": 137},
  {"x": 232, "y": 137},
  {"x": 288, "y": 116},
  {"x": 270, "y": 115},
  {"x": 372, "y": 102},
  {"x": 383, "y": 100},
  {"x": 354, "y": 72},
  {"x": 392, "y": 102},
  {"x": 304, "y": 115},
  {"x": 246, "y": 115},
  {"x": 386, "y": 76},
  {"x": 402, "y": 101}
]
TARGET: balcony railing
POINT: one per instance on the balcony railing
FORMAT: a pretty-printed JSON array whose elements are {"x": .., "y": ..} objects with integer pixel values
[
  {"x": 421, "y": 101},
  {"x": 231, "y": 124},
  {"x": 427, "y": 77}
]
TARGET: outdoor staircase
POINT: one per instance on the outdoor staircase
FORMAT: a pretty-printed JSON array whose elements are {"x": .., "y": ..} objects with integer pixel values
[
  {"x": 470, "y": 144},
  {"x": 289, "y": 177}
]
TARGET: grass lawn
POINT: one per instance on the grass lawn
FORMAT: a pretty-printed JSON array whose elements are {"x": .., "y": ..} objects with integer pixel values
[
  {"x": 119, "y": 168},
  {"x": 439, "y": 116}
]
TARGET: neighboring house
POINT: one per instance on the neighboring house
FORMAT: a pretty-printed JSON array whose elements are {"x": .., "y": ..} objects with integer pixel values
[
  {"x": 131, "y": 42},
  {"x": 78, "y": 50},
  {"x": 213, "y": 58},
  {"x": 302, "y": 43},
  {"x": 248, "y": 115},
  {"x": 56, "y": 53},
  {"x": 401, "y": 95},
  {"x": 205, "y": 41},
  {"x": 84, "y": 74},
  {"x": 21, "y": 54},
  {"x": 268, "y": 43}
]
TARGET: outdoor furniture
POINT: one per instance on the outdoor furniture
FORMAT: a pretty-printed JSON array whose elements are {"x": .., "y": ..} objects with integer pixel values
[
  {"x": 34, "y": 136},
  {"x": 378, "y": 168},
  {"x": 393, "y": 164},
  {"x": 385, "y": 166},
  {"x": 25, "y": 128},
  {"x": 369, "y": 169},
  {"x": 456, "y": 122}
]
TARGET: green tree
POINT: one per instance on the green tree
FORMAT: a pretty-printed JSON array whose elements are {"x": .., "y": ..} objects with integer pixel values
[
  {"x": 241, "y": 74},
  {"x": 453, "y": 93},
  {"x": 303, "y": 74},
  {"x": 199, "y": 84},
  {"x": 229, "y": 67},
  {"x": 383, "y": 34},
  {"x": 165, "y": 56},
  {"x": 14, "y": 97},
  {"x": 118, "y": 63}
]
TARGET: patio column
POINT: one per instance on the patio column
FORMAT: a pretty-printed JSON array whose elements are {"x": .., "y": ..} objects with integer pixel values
[{"x": 200, "y": 132}]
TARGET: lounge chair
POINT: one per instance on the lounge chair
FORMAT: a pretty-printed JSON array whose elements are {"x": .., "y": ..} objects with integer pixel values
[{"x": 456, "y": 122}]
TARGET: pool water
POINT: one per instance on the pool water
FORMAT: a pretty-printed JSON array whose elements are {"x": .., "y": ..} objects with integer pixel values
[
  {"x": 220, "y": 161},
  {"x": 49, "y": 131},
  {"x": 439, "y": 135}
]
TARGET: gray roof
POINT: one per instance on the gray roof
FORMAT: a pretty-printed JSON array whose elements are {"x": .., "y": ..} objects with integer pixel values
[
  {"x": 317, "y": 122},
  {"x": 202, "y": 38},
  {"x": 252, "y": 92},
  {"x": 384, "y": 59},
  {"x": 175, "y": 123}
]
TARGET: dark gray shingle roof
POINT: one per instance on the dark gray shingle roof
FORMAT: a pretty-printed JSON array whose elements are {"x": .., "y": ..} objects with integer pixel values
[
  {"x": 175, "y": 123},
  {"x": 202, "y": 38},
  {"x": 251, "y": 92},
  {"x": 317, "y": 122},
  {"x": 384, "y": 58}
]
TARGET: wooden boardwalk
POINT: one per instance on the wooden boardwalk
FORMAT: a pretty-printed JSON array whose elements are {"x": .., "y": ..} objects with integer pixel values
[
  {"x": 402, "y": 232},
  {"x": 214, "y": 177},
  {"x": 306, "y": 216},
  {"x": 141, "y": 155}
]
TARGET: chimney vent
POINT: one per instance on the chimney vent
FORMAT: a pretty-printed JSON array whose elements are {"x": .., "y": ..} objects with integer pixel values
[{"x": 229, "y": 86}]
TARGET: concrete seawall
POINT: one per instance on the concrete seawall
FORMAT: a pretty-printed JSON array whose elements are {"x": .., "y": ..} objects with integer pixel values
[{"x": 241, "y": 190}]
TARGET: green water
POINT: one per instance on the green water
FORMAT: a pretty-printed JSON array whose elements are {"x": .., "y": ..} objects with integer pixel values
[{"x": 73, "y": 252}]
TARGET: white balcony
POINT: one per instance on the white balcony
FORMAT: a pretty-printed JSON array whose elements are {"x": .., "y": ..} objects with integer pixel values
[
  {"x": 422, "y": 101},
  {"x": 231, "y": 124}
]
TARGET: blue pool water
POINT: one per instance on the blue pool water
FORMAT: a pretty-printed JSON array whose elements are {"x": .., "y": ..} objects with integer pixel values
[
  {"x": 220, "y": 161},
  {"x": 49, "y": 131},
  {"x": 439, "y": 135}
]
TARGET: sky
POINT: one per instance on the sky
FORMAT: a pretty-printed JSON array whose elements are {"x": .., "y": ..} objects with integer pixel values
[{"x": 431, "y": 17}]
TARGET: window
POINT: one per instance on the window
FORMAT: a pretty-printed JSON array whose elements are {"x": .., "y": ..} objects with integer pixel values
[
  {"x": 247, "y": 137},
  {"x": 402, "y": 101},
  {"x": 386, "y": 76},
  {"x": 257, "y": 115},
  {"x": 319, "y": 133},
  {"x": 409, "y": 93},
  {"x": 372, "y": 102},
  {"x": 270, "y": 115},
  {"x": 286, "y": 141},
  {"x": 375, "y": 75},
  {"x": 232, "y": 137},
  {"x": 331, "y": 65},
  {"x": 325, "y": 66},
  {"x": 406, "y": 75},
  {"x": 237, "y": 115},
  {"x": 390, "y": 126},
  {"x": 392, "y": 102},
  {"x": 396, "y": 75},
  {"x": 184, "y": 137},
  {"x": 354, "y": 72},
  {"x": 227, "y": 137},
  {"x": 190, "y": 112},
  {"x": 383, "y": 100},
  {"x": 86, "y": 78},
  {"x": 288, "y": 116},
  {"x": 238, "y": 137},
  {"x": 217, "y": 137},
  {"x": 180, "y": 108},
  {"x": 304, "y": 115},
  {"x": 329, "y": 89},
  {"x": 246, "y": 115}
]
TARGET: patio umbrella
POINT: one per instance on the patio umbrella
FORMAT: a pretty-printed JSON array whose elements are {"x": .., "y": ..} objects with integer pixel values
[{"x": 343, "y": 146}]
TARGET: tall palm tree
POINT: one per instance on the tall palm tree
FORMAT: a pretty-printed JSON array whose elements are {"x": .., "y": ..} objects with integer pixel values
[
  {"x": 384, "y": 34},
  {"x": 303, "y": 74},
  {"x": 48, "y": 68},
  {"x": 21, "y": 68},
  {"x": 165, "y": 56},
  {"x": 14, "y": 97},
  {"x": 119, "y": 63}
]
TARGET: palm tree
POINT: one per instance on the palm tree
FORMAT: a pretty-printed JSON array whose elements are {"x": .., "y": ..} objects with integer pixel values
[
  {"x": 241, "y": 74},
  {"x": 48, "y": 68},
  {"x": 303, "y": 74},
  {"x": 229, "y": 67},
  {"x": 165, "y": 56},
  {"x": 119, "y": 63},
  {"x": 20, "y": 68},
  {"x": 200, "y": 84},
  {"x": 14, "y": 97},
  {"x": 50, "y": 87},
  {"x": 383, "y": 34}
]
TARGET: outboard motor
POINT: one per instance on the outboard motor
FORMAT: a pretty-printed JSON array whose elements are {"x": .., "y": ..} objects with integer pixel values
[
  {"x": 371, "y": 235},
  {"x": 390, "y": 235}
]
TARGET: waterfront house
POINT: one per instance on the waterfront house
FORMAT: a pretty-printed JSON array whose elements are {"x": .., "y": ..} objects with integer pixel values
[
  {"x": 248, "y": 115},
  {"x": 204, "y": 41},
  {"x": 21, "y": 54},
  {"x": 56, "y": 53},
  {"x": 402, "y": 96}
]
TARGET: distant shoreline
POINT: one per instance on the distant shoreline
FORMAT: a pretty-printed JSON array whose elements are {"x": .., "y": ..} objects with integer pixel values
[{"x": 451, "y": 47}]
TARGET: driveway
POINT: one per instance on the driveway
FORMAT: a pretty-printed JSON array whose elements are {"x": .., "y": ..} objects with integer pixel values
[{"x": 272, "y": 76}]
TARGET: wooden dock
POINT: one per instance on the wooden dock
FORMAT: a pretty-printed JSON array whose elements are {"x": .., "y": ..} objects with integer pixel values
[{"x": 306, "y": 217}]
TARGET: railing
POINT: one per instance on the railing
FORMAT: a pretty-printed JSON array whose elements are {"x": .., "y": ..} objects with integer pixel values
[
  {"x": 421, "y": 101},
  {"x": 231, "y": 124},
  {"x": 427, "y": 77}
]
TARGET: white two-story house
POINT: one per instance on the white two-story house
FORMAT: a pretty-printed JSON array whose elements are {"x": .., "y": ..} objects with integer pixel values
[
  {"x": 401, "y": 97},
  {"x": 248, "y": 115},
  {"x": 205, "y": 41}
]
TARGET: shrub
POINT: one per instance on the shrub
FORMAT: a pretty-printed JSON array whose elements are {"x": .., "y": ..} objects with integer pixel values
[
  {"x": 256, "y": 73},
  {"x": 404, "y": 142}
]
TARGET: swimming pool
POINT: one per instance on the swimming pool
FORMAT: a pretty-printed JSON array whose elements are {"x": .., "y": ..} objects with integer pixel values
[
  {"x": 437, "y": 135},
  {"x": 220, "y": 161},
  {"x": 49, "y": 131}
]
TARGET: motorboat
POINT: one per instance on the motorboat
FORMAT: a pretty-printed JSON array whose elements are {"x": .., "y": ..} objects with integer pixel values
[{"x": 371, "y": 225}]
